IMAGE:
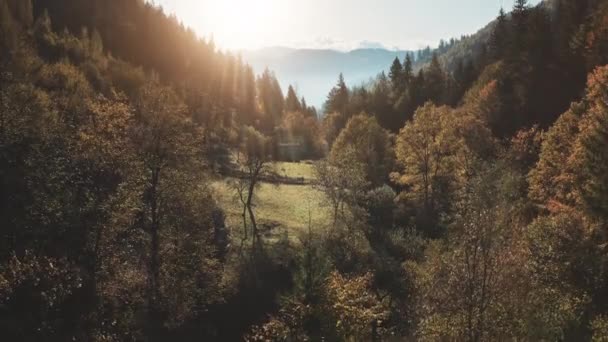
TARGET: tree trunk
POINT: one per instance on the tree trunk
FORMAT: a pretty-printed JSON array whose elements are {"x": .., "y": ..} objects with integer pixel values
[
  {"x": 252, "y": 183},
  {"x": 253, "y": 223}
]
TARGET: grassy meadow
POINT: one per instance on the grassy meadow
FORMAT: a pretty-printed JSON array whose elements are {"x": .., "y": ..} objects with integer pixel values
[{"x": 283, "y": 207}]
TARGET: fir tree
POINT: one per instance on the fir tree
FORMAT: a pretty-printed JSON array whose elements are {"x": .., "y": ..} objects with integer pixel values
[
  {"x": 435, "y": 80},
  {"x": 292, "y": 104},
  {"x": 408, "y": 70},
  {"x": 396, "y": 77},
  {"x": 499, "y": 36},
  {"x": 337, "y": 100},
  {"x": 520, "y": 25}
]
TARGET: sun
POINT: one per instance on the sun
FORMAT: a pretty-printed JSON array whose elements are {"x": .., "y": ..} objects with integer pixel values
[{"x": 242, "y": 24}]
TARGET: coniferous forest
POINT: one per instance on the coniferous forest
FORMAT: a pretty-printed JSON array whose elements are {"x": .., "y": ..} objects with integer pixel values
[{"x": 145, "y": 172}]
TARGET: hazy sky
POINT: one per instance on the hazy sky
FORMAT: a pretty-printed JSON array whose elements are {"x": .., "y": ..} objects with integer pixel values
[{"x": 339, "y": 24}]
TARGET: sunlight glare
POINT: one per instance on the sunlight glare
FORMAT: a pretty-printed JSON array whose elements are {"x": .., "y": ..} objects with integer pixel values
[{"x": 242, "y": 24}]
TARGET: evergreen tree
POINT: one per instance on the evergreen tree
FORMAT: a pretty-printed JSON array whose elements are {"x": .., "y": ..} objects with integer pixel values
[
  {"x": 308, "y": 111},
  {"x": 271, "y": 100},
  {"x": 416, "y": 91},
  {"x": 520, "y": 6},
  {"x": 248, "y": 108},
  {"x": 520, "y": 29},
  {"x": 337, "y": 100},
  {"x": 396, "y": 76},
  {"x": 408, "y": 70},
  {"x": 435, "y": 81},
  {"x": 380, "y": 103},
  {"x": 499, "y": 37},
  {"x": 292, "y": 104}
]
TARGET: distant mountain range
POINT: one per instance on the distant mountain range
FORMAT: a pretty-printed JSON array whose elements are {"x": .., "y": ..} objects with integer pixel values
[{"x": 314, "y": 72}]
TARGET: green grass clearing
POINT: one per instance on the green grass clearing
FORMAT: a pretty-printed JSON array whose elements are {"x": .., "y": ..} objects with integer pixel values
[
  {"x": 295, "y": 170},
  {"x": 285, "y": 206}
]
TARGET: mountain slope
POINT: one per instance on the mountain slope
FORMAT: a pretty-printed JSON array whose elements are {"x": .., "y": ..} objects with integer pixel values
[{"x": 313, "y": 72}]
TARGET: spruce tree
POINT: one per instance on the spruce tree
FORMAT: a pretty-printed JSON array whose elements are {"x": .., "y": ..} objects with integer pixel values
[
  {"x": 292, "y": 104},
  {"x": 337, "y": 100},
  {"x": 435, "y": 80},
  {"x": 499, "y": 36},
  {"x": 520, "y": 6},
  {"x": 396, "y": 77},
  {"x": 408, "y": 70},
  {"x": 520, "y": 25}
]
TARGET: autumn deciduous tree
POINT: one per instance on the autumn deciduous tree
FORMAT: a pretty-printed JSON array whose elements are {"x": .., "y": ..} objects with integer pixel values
[
  {"x": 253, "y": 160},
  {"x": 572, "y": 169},
  {"x": 425, "y": 150},
  {"x": 356, "y": 310},
  {"x": 176, "y": 203},
  {"x": 304, "y": 129},
  {"x": 344, "y": 183},
  {"x": 372, "y": 145},
  {"x": 468, "y": 287},
  {"x": 569, "y": 182}
]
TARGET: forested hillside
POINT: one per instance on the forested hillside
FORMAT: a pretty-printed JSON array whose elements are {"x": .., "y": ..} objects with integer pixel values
[
  {"x": 312, "y": 71},
  {"x": 533, "y": 54},
  {"x": 145, "y": 193}
]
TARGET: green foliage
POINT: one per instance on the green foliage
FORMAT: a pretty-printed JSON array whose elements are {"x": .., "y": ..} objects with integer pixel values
[
  {"x": 343, "y": 180},
  {"x": 600, "y": 329},
  {"x": 397, "y": 76},
  {"x": 110, "y": 221},
  {"x": 372, "y": 145},
  {"x": 426, "y": 150},
  {"x": 559, "y": 247},
  {"x": 337, "y": 100},
  {"x": 356, "y": 311},
  {"x": 468, "y": 283},
  {"x": 303, "y": 130}
]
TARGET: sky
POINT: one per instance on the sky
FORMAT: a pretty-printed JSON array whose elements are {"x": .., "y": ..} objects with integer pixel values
[{"x": 335, "y": 24}]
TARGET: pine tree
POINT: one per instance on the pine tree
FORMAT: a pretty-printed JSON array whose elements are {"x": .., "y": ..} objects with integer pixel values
[
  {"x": 408, "y": 70},
  {"x": 435, "y": 80},
  {"x": 271, "y": 100},
  {"x": 499, "y": 36},
  {"x": 246, "y": 93},
  {"x": 337, "y": 100},
  {"x": 416, "y": 91},
  {"x": 396, "y": 77},
  {"x": 292, "y": 104},
  {"x": 520, "y": 28},
  {"x": 381, "y": 103},
  {"x": 308, "y": 111},
  {"x": 520, "y": 6}
]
